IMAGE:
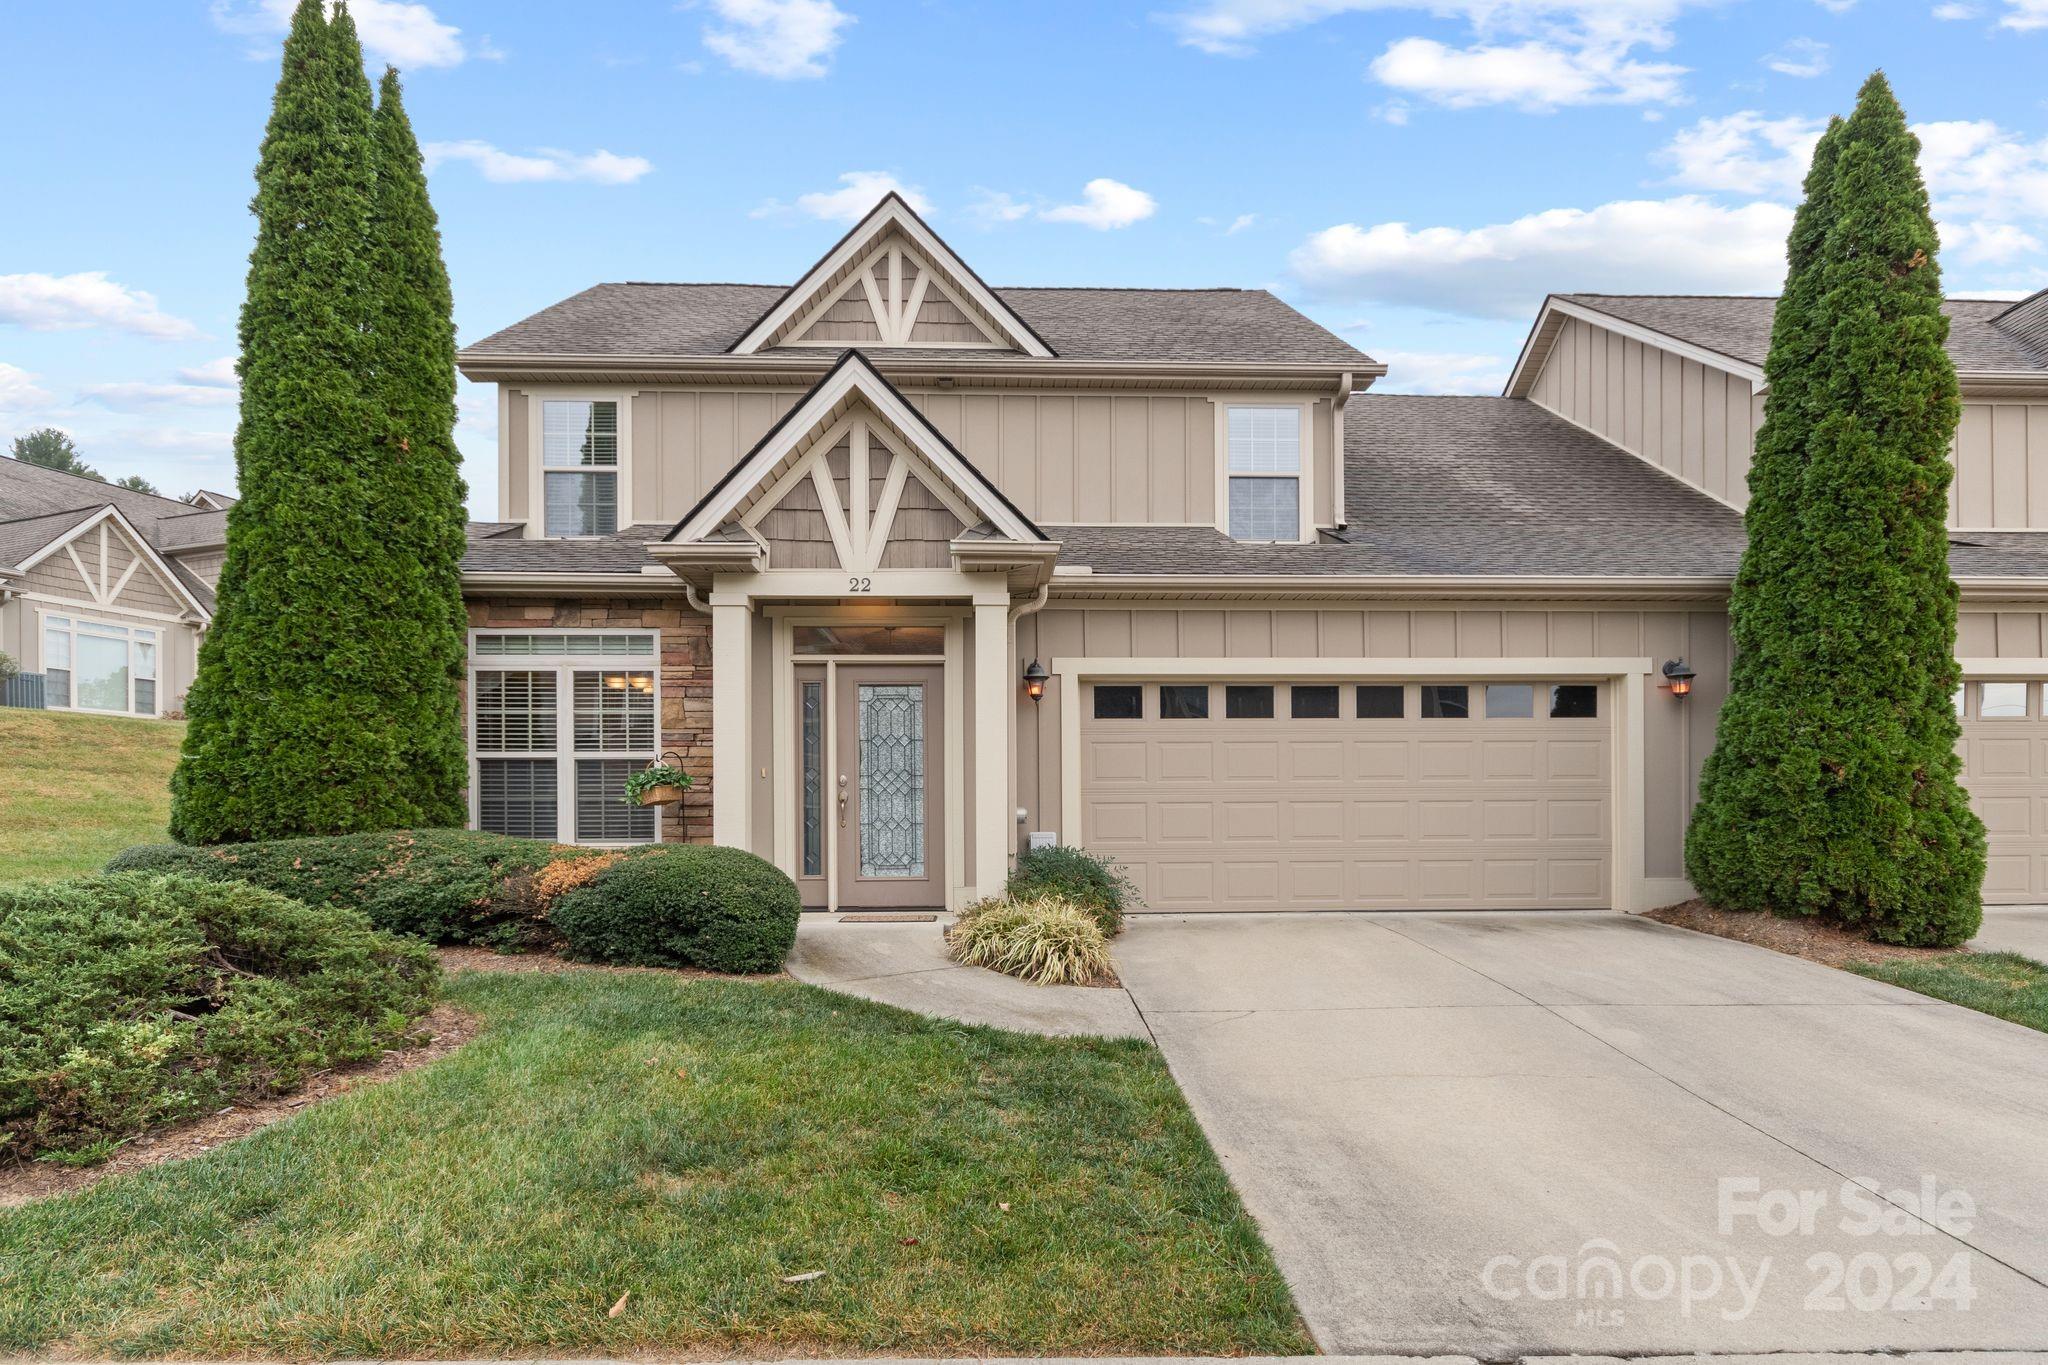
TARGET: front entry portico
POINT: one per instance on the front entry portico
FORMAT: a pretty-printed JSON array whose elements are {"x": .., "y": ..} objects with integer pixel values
[{"x": 863, "y": 582}]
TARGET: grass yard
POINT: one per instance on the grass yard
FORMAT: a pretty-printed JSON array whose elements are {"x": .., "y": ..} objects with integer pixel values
[
  {"x": 690, "y": 1143},
  {"x": 2005, "y": 984},
  {"x": 75, "y": 790}
]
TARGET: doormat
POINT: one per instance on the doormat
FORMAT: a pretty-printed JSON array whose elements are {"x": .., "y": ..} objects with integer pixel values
[{"x": 888, "y": 917}]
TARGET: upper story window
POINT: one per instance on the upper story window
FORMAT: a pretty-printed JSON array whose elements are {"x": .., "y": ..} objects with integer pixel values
[
  {"x": 579, "y": 456},
  {"x": 1263, "y": 462}
]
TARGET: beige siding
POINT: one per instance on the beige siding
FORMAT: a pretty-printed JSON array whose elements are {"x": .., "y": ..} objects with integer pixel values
[
  {"x": 57, "y": 576},
  {"x": 513, "y": 488},
  {"x": 683, "y": 441},
  {"x": 1676, "y": 738},
  {"x": 920, "y": 536},
  {"x": 1690, "y": 420},
  {"x": 205, "y": 566},
  {"x": 797, "y": 533},
  {"x": 2001, "y": 456}
]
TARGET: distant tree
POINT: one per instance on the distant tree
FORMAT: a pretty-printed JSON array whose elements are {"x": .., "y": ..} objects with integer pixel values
[
  {"x": 136, "y": 483},
  {"x": 53, "y": 448}
]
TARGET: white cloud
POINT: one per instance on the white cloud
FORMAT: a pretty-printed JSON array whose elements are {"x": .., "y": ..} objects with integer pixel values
[
  {"x": 1533, "y": 75},
  {"x": 407, "y": 35},
  {"x": 18, "y": 388},
  {"x": 1836, "y": 6},
  {"x": 1801, "y": 57},
  {"x": 858, "y": 192},
  {"x": 219, "y": 374},
  {"x": 2024, "y": 16},
  {"x": 64, "y": 303},
  {"x": 1105, "y": 204},
  {"x": 1976, "y": 169},
  {"x": 1441, "y": 372},
  {"x": 1240, "y": 223},
  {"x": 542, "y": 164},
  {"x": 135, "y": 395},
  {"x": 782, "y": 39},
  {"x": 1952, "y": 12},
  {"x": 1682, "y": 245},
  {"x": 1987, "y": 243},
  {"x": 1744, "y": 153},
  {"x": 990, "y": 207}
]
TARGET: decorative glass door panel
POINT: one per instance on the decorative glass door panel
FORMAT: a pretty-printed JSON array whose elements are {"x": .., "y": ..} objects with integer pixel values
[{"x": 891, "y": 719}]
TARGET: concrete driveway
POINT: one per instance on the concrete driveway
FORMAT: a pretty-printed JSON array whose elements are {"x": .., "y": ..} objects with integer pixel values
[{"x": 1450, "y": 1127}]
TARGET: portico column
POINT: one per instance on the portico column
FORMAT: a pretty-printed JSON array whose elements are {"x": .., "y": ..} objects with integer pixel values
[
  {"x": 731, "y": 657},
  {"x": 993, "y": 695}
]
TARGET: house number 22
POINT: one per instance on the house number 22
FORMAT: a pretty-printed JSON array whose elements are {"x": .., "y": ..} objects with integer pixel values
[{"x": 860, "y": 585}]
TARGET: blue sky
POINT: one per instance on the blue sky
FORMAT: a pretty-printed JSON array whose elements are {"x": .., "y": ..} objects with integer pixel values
[{"x": 1414, "y": 176}]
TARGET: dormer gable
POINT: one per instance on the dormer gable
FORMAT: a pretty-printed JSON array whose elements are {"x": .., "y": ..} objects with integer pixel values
[{"x": 891, "y": 282}]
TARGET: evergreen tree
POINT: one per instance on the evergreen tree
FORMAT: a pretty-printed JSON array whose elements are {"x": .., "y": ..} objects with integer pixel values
[
  {"x": 1859, "y": 815},
  {"x": 300, "y": 723},
  {"x": 1733, "y": 851},
  {"x": 418, "y": 490},
  {"x": 53, "y": 448}
]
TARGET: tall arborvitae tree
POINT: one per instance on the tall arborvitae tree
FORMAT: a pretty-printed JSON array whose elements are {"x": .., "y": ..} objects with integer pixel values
[
  {"x": 305, "y": 715},
  {"x": 416, "y": 485},
  {"x": 1863, "y": 819},
  {"x": 1733, "y": 851}
]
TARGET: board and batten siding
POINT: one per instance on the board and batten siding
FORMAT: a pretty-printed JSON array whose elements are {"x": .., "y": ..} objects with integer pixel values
[
  {"x": 2001, "y": 455},
  {"x": 1677, "y": 734}
]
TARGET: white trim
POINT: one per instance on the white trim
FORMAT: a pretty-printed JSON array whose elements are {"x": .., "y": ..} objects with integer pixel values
[
  {"x": 159, "y": 641},
  {"x": 732, "y": 657},
  {"x": 994, "y": 699},
  {"x": 537, "y": 398},
  {"x": 854, "y": 378},
  {"x": 1304, "y": 478},
  {"x": 565, "y": 753},
  {"x": 136, "y": 541},
  {"x": 891, "y": 214},
  {"x": 1519, "y": 384},
  {"x": 1977, "y": 667},
  {"x": 1628, "y": 880}
]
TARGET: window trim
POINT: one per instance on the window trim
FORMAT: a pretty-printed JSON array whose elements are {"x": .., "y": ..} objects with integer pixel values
[
  {"x": 565, "y": 667},
  {"x": 1306, "y": 478},
  {"x": 537, "y": 470},
  {"x": 159, "y": 638}
]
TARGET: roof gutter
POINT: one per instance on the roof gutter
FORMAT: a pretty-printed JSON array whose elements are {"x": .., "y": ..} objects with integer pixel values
[
  {"x": 1487, "y": 586},
  {"x": 483, "y": 368}
]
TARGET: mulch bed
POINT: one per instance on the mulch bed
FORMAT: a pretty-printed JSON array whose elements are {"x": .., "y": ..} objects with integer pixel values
[
  {"x": 468, "y": 959},
  {"x": 444, "y": 1029},
  {"x": 1827, "y": 944}
]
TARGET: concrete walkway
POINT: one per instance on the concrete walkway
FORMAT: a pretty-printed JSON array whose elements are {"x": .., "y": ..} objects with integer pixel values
[
  {"x": 2019, "y": 929},
  {"x": 1449, "y": 1126},
  {"x": 906, "y": 965}
]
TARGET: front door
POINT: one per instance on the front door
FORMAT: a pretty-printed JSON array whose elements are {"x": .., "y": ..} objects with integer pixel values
[{"x": 875, "y": 788}]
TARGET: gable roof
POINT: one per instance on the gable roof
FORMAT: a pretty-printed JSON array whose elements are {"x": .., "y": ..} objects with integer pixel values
[
  {"x": 24, "y": 538},
  {"x": 164, "y": 525},
  {"x": 179, "y": 579},
  {"x": 1984, "y": 336},
  {"x": 852, "y": 378}
]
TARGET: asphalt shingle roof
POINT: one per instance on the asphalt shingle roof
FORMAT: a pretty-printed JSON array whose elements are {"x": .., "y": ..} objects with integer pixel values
[
  {"x": 29, "y": 491},
  {"x": 1740, "y": 326},
  {"x": 1165, "y": 325}
]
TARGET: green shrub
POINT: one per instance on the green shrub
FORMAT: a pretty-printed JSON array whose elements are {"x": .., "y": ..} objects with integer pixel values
[
  {"x": 1047, "y": 940},
  {"x": 1089, "y": 880},
  {"x": 134, "y": 999},
  {"x": 686, "y": 905},
  {"x": 444, "y": 885}
]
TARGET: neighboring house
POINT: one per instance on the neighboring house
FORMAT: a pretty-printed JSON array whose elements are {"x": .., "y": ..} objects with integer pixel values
[
  {"x": 1305, "y": 647},
  {"x": 104, "y": 591}
]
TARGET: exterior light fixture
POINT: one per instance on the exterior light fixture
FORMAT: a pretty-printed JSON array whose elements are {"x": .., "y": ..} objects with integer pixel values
[
  {"x": 1034, "y": 680},
  {"x": 1678, "y": 676}
]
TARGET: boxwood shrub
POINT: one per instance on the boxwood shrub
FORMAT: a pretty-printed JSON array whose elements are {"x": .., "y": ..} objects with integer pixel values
[
  {"x": 135, "y": 999},
  {"x": 1089, "y": 880},
  {"x": 444, "y": 885},
  {"x": 682, "y": 905}
]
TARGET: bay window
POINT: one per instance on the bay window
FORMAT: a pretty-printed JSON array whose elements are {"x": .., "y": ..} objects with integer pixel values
[
  {"x": 579, "y": 455},
  {"x": 558, "y": 721},
  {"x": 99, "y": 666},
  {"x": 1263, "y": 466}
]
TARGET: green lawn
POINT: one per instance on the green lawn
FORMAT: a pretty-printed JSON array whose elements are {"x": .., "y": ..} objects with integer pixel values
[
  {"x": 2005, "y": 984},
  {"x": 690, "y": 1142},
  {"x": 75, "y": 790}
]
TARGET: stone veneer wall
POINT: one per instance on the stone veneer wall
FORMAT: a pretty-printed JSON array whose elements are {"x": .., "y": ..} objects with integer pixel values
[{"x": 685, "y": 645}]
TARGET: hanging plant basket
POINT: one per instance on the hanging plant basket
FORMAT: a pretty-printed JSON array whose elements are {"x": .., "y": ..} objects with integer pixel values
[{"x": 660, "y": 783}]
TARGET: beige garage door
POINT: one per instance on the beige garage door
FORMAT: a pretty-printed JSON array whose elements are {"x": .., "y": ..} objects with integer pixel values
[
  {"x": 1413, "y": 795},
  {"x": 2005, "y": 766}
]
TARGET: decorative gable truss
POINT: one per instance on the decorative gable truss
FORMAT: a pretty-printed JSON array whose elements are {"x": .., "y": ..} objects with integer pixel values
[
  {"x": 115, "y": 568},
  {"x": 855, "y": 479},
  {"x": 892, "y": 281}
]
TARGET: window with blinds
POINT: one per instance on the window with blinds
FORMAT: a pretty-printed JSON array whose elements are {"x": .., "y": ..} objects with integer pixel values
[
  {"x": 1263, "y": 462},
  {"x": 579, "y": 455},
  {"x": 517, "y": 796}
]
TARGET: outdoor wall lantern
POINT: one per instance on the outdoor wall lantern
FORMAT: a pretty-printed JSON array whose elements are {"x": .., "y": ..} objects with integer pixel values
[
  {"x": 1678, "y": 676},
  {"x": 1034, "y": 680}
]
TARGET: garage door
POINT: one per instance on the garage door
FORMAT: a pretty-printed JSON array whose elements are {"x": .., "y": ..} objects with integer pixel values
[
  {"x": 1355, "y": 795},
  {"x": 2005, "y": 767}
]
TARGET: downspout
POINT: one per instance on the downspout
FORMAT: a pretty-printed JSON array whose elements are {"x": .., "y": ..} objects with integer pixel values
[
  {"x": 1017, "y": 613},
  {"x": 1337, "y": 434}
]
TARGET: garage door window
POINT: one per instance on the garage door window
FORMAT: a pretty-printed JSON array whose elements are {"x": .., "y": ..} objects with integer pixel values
[
  {"x": 1382, "y": 701},
  {"x": 1510, "y": 701},
  {"x": 1446, "y": 701},
  {"x": 1574, "y": 701},
  {"x": 1119, "y": 703},
  {"x": 2002, "y": 700},
  {"x": 1312, "y": 703},
  {"x": 1182, "y": 701},
  {"x": 1248, "y": 703}
]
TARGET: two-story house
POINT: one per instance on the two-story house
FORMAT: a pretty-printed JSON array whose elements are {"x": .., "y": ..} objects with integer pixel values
[{"x": 909, "y": 570}]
